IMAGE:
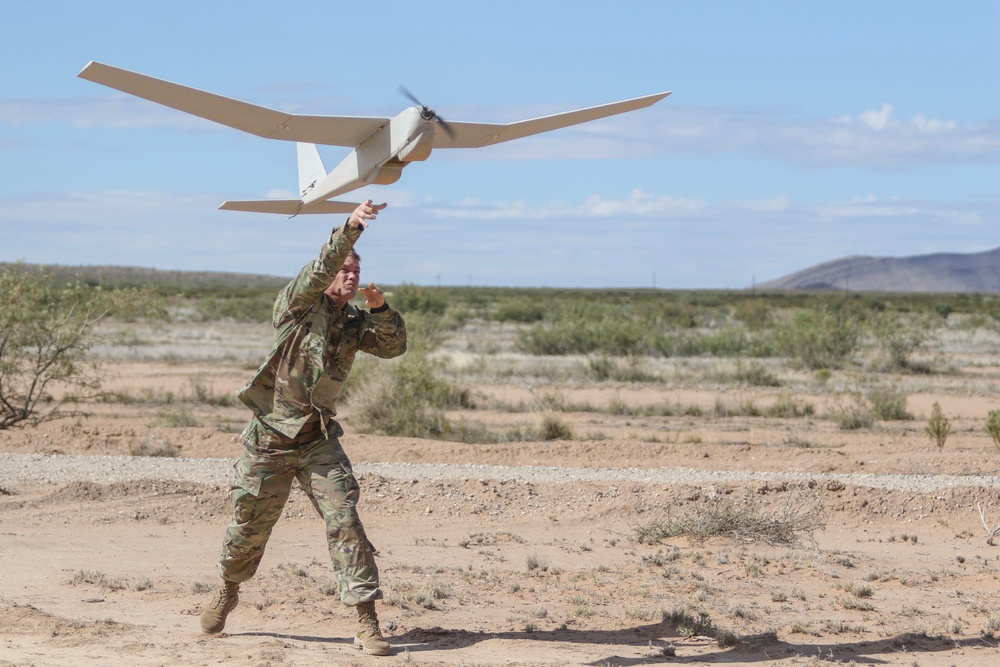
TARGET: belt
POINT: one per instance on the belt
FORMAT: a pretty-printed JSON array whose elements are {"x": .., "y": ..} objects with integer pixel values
[{"x": 312, "y": 427}]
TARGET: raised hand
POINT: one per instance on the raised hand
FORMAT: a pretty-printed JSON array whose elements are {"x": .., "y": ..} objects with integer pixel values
[{"x": 364, "y": 213}]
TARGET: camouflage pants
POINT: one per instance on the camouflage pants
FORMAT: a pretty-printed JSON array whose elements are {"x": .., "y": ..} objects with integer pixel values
[{"x": 260, "y": 489}]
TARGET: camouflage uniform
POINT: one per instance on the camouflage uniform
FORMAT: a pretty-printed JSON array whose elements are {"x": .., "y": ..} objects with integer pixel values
[{"x": 292, "y": 434}]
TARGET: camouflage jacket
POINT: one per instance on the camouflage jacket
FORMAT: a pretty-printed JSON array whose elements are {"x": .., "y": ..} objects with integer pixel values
[{"x": 314, "y": 345}]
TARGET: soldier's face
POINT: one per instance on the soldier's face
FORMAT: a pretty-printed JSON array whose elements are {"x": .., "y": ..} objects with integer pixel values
[{"x": 345, "y": 285}]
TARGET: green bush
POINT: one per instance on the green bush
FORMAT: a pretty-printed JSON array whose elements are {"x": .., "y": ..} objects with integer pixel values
[
  {"x": 755, "y": 313},
  {"x": 898, "y": 338},
  {"x": 726, "y": 342},
  {"x": 520, "y": 310},
  {"x": 938, "y": 426},
  {"x": 888, "y": 403},
  {"x": 417, "y": 299},
  {"x": 46, "y": 329},
  {"x": 993, "y": 426},
  {"x": 608, "y": 335},
  {"x": 406, "y": 397},
  {"x": 818, "y": 338}
]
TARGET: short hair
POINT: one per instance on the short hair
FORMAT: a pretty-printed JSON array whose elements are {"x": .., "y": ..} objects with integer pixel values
[{"x": 354, "y": 255}]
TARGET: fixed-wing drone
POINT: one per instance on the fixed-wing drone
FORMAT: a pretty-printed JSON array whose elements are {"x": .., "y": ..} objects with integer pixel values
[{"x": 381, "y": 146}]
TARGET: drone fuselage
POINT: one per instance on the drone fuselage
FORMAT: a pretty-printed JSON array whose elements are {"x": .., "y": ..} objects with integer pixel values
[{"x": 379, "y": 159}]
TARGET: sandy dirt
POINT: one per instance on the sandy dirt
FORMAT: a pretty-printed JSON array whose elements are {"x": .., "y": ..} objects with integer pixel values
[{"x": 480, "y": 571}]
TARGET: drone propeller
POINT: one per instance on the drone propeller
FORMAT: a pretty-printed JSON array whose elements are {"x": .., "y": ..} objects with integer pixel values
[{"x": 427, "y": 113}]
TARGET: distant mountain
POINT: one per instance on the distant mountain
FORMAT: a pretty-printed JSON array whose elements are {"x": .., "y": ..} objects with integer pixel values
[{"x": 940, "y": 272}]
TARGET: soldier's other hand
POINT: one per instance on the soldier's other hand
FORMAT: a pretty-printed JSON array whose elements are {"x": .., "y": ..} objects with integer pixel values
[
  {"x": 373, "y": 296},
  {"x": 363, "y": 213}
]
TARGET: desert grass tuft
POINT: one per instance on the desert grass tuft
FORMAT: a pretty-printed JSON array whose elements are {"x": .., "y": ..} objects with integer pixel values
[
  {"x": 860, "y": 590},
  {"x": 202, "y": 393},
  {"x": 854, "y": 604},
  {"x": 741, "y": 519},
  {"x": 153, "y": 446},
  {"x": 787, "y": 407},
  {"x": 689, "y": 624},
  {"x": 180, "y": 417},
  {"x": 98, "y": 579},
  {"x": 536, "y": 563},
  {"x": 554, "y": 428}
]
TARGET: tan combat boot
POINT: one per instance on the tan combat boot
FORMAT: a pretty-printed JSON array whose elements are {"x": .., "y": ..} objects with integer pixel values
[
  {"x": 225, "y": 599},
  {"x": 369, "y": 638}
]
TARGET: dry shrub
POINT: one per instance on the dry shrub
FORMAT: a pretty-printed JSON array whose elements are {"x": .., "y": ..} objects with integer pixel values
[
  {"x": 153, "y": 446},
  {"x": 742, "y": 519},
  {"x": 406, "y": 396},
  {"x": 554, "y": 428}
]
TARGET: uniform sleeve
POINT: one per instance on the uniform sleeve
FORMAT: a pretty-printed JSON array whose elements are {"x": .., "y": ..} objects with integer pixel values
[
  {"x": 385, "y": 335},
  {"x": 315, "y": 277}
]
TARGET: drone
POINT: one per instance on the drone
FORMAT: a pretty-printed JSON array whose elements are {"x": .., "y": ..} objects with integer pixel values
[{"x": 381, "y": 147}]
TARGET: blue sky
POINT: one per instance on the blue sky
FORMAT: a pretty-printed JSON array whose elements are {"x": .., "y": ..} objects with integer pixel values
[{"x": 796, "y": 133}]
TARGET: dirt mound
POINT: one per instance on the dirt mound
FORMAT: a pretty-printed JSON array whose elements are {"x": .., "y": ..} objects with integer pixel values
[
  {"x": 92, "y": 492},
  {"x": 24, "y": 619}
]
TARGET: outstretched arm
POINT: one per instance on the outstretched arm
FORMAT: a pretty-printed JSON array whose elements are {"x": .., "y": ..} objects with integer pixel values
[{"x": 316, "y": 276}]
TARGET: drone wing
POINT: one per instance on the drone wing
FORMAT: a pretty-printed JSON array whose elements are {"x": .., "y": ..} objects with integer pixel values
[
  {"x": 475, "y": 135},
  {"x": 261, "y": 121},
  {"x": 288, "y": 206}
]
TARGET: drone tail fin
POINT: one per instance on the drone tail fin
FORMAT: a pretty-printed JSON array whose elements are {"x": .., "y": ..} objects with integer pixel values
[
  {"x": 311, "y": 169},
  {"x": 311, "y": 172}
]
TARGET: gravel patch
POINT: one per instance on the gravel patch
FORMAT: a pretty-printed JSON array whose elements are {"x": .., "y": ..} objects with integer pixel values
[{"x": 58, "y": 469}]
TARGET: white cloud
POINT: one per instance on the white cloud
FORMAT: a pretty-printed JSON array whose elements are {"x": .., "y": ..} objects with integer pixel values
[
  {"x": 639, "y": 203},
  {"x": 877, "y": 120},
  {"x": 686, "y": 243},
  {"x": 872, "y": 138},
  {"x": 932, "y": 126}
]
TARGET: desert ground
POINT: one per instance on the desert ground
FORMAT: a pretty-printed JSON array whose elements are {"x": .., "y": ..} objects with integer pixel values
[{"x": 484, "y": 568}]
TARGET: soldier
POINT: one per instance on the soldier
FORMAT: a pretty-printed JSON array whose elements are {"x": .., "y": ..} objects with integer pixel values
[{"x": 292, "y": 433}]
